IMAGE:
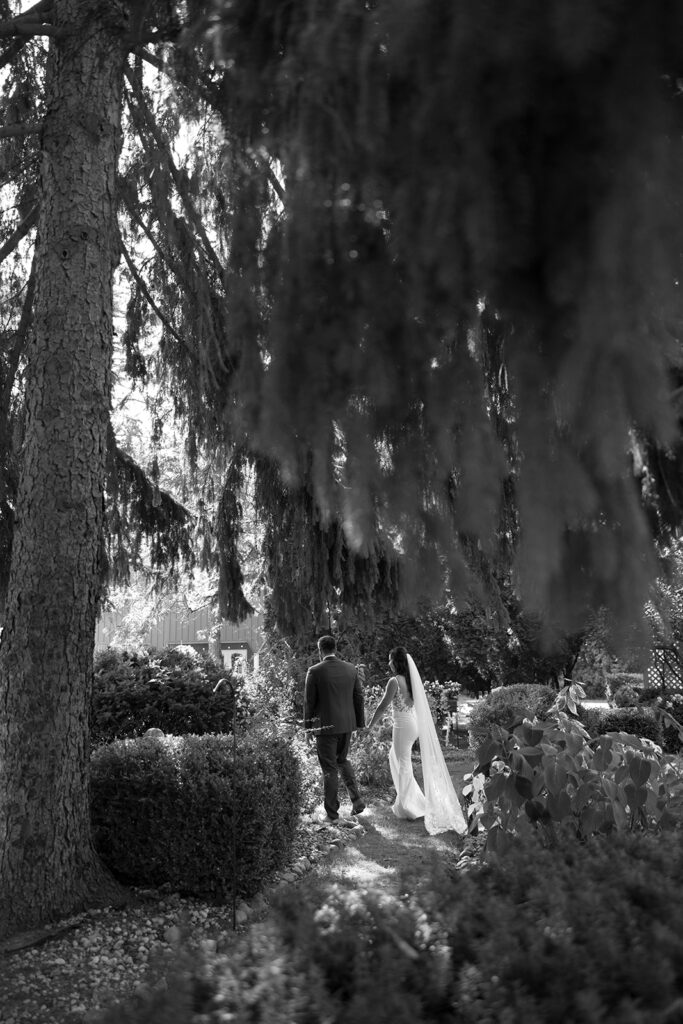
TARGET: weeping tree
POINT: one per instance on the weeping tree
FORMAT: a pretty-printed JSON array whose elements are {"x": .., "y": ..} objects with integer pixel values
[
  {"x": 447, "y": 309},
  {"x": 396, "y": 170}
]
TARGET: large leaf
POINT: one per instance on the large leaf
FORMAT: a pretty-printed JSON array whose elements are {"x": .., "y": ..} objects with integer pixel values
[
  {"x": 555, "y": 777},
  {"x": 495, "y": 786},
  {"x": 620, "y": 816},
  {"x": 531, "y": 734},
  {"x": 636, "y": 796},
  {"x": 640, "y": 770},
  {"x": 584, "y": 794},
  {"x": 559, "y": 805},
  {"x": 497, "y": 841},
  {"x": 520, "y": 765},
  {"x": 523, "y": 786}
]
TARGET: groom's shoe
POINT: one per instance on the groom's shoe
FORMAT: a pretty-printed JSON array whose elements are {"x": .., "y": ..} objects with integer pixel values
[{"x": 358, "y": 808}]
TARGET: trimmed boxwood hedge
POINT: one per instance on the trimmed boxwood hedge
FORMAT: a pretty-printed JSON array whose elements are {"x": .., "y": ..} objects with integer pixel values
[
  {"x": 171, "y": 690},
  {"x": 639, "y": 721},
  {"x": 164, "y": 811}
]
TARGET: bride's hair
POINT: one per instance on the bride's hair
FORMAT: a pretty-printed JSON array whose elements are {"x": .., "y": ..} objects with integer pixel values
[{"x": 399, "y": 656}]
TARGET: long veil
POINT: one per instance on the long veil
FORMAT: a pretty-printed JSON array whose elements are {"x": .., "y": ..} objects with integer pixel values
[{"x": 443, "y": 812}]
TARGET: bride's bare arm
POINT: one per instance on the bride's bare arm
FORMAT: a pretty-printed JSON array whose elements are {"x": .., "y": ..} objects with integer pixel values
[{"x": 387, "y": 697}]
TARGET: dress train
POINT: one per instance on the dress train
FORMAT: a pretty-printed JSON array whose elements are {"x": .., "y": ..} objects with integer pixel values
[{"x": 410, "y": 800}]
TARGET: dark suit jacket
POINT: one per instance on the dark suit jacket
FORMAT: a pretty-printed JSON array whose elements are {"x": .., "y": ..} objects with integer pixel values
[{"x": 333, "y": 697}]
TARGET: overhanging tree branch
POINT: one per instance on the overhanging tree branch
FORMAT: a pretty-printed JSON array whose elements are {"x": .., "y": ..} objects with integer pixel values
[
  {"x": 207, "y": 91},
  {"x": 27, "y": 28},
  {"x": 18, "y": 346},
  {"x": 29, "y": 221},
  {"x": 155, "y": 61},
  {"x": 148, "y": 296},
  {"x": 141, "y": 114},
  {"x": 30, "y": 22},
  {"x": 172, "y": 265},
  {"x": 19, "y": 131},
  {"x": 12, "y": 50}
]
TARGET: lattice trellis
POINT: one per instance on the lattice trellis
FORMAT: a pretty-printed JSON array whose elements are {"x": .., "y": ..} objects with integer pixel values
[{"x": 666, "y": 671}]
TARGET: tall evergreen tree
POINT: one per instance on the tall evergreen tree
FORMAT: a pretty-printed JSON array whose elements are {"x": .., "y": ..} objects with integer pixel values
[
  {"x": 47, "y": 862},
  {"x": 63, "y": 140}
]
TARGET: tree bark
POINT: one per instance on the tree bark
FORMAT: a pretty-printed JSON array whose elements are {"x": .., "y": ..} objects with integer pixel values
[{"x": 48, "y": 867}]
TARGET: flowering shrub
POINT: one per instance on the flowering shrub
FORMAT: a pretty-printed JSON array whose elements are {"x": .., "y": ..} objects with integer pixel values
[
  {"x": 626, "y": 696},
  {"x": 507, "y": 705},
  {"x": 545, "y": 775}
]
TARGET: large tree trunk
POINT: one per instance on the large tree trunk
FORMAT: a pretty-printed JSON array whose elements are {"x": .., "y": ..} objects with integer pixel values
[{"x": 48, "y": 867}]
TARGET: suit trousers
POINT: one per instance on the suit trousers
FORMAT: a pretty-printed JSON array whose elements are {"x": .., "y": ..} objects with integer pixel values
[{"x": 333, "y": 750}]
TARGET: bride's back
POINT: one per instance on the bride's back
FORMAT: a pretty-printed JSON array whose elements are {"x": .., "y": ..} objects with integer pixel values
[{"x": 403, "y": 693}]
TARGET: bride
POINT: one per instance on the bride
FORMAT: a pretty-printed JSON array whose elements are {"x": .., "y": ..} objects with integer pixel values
[{"x": 412, "y": 719}]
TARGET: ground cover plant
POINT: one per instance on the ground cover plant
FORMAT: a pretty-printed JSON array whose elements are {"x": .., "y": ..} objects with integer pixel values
[{"x": 584, "y": 934}]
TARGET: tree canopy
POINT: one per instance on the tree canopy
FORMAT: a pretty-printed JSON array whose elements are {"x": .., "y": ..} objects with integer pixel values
[
  {"x": 416, "y": 262},
  {"x": 411, "y": 169}
]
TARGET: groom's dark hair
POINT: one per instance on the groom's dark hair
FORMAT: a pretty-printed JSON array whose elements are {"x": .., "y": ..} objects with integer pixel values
[{"x": 327, "y": 645}]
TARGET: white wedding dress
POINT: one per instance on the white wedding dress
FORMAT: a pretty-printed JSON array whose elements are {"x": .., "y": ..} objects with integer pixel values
[
  {"x": 438, "y": 805},
  {"x": 410, "y": 800}
]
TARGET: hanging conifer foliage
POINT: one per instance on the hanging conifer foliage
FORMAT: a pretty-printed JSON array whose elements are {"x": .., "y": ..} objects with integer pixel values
[
  {"x": 315, "y": 577},
  {"x": 417, "y": 163}
]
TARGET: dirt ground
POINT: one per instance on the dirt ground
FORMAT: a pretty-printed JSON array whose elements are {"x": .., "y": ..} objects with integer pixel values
[{"x": 384, "y": 850}]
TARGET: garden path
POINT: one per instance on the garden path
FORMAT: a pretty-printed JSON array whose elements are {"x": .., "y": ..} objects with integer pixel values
[{"x": 381, "y": 850}]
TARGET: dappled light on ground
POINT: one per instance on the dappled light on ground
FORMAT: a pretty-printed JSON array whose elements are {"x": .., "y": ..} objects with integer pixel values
[
  {"x": 358, "y": 870},
  {"x": 389, "y": 852}
]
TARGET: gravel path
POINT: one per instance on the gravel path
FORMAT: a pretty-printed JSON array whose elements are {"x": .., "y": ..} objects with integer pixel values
[{"x": 102, "y": 956}]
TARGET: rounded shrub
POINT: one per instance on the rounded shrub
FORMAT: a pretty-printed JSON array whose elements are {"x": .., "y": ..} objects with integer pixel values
[
  {"x": 616, "y": 679},
  {"x": 166, "y": 811},
  {"x": 595, "y": 689},
  {"x": 172, "y": 690},
  {"x": 626, "y": 696},
  {"x": 508, "y": 705},
  {"x": 639, "y": 721}
]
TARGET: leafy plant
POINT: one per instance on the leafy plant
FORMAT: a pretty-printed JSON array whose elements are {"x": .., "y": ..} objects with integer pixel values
[
  {"x": 585, "y": 933},
  {"x": 550, "y": 775}
]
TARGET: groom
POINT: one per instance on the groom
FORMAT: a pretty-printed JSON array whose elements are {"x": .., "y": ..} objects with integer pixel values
[{"x": 333, "y": 708}]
